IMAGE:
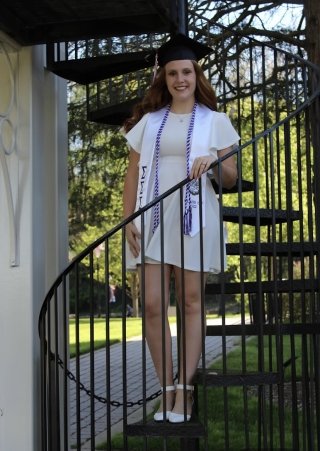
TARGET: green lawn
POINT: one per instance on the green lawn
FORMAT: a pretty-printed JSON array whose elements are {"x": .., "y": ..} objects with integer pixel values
[
  {"x": 232, "y": 400},
  {"x": 133, "y": 329},
  {"x": 241, "y": 406}
]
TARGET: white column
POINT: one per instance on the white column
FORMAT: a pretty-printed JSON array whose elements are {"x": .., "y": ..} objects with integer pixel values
[{"x": 33, "y": 229}]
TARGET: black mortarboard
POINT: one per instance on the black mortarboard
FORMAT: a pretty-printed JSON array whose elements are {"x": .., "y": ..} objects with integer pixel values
[{"x": 181, "y": 47}]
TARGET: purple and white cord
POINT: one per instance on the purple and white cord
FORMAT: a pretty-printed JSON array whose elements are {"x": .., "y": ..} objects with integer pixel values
[
  {"x": 187, "y": 220},
  {"x": 156, "y": 208}
]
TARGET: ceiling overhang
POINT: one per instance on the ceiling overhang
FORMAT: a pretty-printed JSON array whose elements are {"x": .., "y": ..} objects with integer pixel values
[{"x": 32, "y": 22}]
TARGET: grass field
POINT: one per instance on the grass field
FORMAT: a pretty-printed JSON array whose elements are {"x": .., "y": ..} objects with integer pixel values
[
  {"x": 235, "y": 401},
  {"x": 233, "y": 413},
  {"x": 115, "y": 333}
]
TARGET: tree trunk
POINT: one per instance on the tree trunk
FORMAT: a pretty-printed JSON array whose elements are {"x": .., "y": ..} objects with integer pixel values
[{"x": 312, "y": 15}]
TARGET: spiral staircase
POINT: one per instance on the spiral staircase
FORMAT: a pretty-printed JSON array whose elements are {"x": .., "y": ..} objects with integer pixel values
[{"x": 272, "y": 220}]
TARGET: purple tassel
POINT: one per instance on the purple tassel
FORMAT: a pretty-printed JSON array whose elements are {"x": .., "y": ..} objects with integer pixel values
[{"x": 187, "y": 221}]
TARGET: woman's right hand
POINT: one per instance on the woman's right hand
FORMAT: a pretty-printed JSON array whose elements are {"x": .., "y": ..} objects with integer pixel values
[{"x": 133, "y": 236}]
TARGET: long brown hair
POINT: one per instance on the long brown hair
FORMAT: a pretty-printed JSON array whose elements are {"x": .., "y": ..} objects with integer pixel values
[{"x": 158, "y": 96}]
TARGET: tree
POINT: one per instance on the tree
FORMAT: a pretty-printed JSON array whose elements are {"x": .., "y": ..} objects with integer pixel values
[
  {"x": 293, "y": 22},
  {"x": 98, "y": 154},
  {"x": 312, "y": 16},
  {"x": 291, "y": 25},
  {"x": 97, "y": 162}
]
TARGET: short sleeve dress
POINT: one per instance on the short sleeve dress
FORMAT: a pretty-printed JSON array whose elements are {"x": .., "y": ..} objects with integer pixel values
[{"x": 172, "y": 169}]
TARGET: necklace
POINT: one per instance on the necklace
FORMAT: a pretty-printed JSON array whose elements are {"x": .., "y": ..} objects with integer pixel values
[
  {"x": 187, "y": 220},
  {"x": 182, "y": 117}
]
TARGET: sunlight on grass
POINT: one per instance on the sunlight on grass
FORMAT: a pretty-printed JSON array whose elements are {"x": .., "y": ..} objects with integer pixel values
[
  {"x": 101, "y": 333},
  {"x": 218, "y": 400},
  {"x": 115, "y": 333},
  {"x": 242, "y": 429},
  {"x": 252, "y": 364}
]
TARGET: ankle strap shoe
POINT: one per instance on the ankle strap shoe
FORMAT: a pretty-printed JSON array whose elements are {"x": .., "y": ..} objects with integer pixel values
[
  {"x": 164, "y": 416},
  {"x": 181, "y": 417}
]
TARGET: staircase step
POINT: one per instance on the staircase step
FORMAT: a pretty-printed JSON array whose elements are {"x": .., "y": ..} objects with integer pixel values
[
  {"x": 93, "y": 69},
  {"x": 33, "y": 23},
  {"x": 281, "y": 286},
  {"x": 120, "y": 112},
  {"x": 152, "y": 428},
  {"x": 269, "y": 249},
  {"x": 266, "y": 216},
  {"x": 113, "y": 114},
  {"x": 244, "y": 185},
  {"x": 216, "y": 378},
  {"x": 238, "y": 330}
]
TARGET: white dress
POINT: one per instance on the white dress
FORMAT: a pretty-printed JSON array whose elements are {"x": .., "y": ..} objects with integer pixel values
[{"x": 172, "y": 169}]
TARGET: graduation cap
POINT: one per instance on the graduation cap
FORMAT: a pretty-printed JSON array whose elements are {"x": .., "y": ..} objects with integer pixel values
[{"x": 181, "y": 47}]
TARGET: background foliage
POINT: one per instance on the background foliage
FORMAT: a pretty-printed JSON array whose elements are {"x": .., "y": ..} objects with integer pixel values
[{"x": 98, "y": 154}]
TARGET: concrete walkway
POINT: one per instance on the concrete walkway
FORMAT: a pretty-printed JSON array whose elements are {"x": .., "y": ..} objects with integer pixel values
[{"x": 134, "y": 384}]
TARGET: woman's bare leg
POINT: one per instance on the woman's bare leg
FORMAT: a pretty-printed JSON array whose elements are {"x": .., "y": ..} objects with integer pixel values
[
  {"x": 154, "y": 299},
  {"x": 191, "y": 336}
]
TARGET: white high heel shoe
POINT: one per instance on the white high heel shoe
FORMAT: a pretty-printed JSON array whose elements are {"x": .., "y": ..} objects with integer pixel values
[
  {"x": 181, "y": 417},
  {"x": 164, "y": 416}
]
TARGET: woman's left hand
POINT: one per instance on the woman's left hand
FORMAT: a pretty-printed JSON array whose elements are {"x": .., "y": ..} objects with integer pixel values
[{"x": 201, "y": 165}]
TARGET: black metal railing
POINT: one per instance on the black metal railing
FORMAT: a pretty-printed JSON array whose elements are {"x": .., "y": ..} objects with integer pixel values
[
  {"x": 76, "y": 291},
  {"x": 272, "y": 278}
]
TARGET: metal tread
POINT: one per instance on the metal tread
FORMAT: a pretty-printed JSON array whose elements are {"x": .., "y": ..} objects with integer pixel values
[
  {"x": 192, "y": 428},
  {"x": 216, "y": 378},
  {"x": 242, "y": 185},
  {"x": 279, "y": 286},
  {"x": 265, "y": 329},
  {"x": 92, "y": 69},
  {"x": 120, "y": 112},
  {"x": 255, "y": 216},
  {"x": 34, "y": 22},
  {"x": 295, "y": 249}
]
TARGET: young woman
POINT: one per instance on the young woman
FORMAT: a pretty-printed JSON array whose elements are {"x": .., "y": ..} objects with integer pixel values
[{"x": 174, "y": 133}]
